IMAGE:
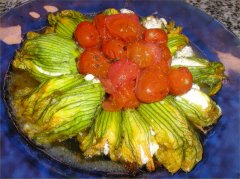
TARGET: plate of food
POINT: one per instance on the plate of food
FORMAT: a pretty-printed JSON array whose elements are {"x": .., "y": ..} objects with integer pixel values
[{"x": 120, "y": 89}]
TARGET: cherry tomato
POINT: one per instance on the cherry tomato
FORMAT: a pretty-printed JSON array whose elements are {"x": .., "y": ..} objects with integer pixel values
[
  {"x": 92, "y": 61},
  {"x": 124, "y": 26},
  {"x": 127, "y": 96},
  {"x": 143, "y": 53},
  {"x": 123, "y": 72},
  {"x": 87, "y": 35},
  {"x": 115, "y": 49},
  {"x": 156, "y": 36},
  {"x": 132, "y": 102},
  {"x": 107, "y": 84},
  {"x": 152, "y": 85},
  {"x": 120, "y": 97},
  {"x": 124, "y": 97},
  {"x": 111, "y": 105},
  {"x": 165, "y": 53},
  {"x": 164, "y": 66},
  {"x": 120, "y": 84},
  {"x": 99, "y": 22},
  {"x": 164, "y": 58},
  {"x": 180, "y": 80}
]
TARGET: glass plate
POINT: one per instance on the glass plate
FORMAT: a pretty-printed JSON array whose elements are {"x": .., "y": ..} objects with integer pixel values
[{"x": 20, "y": 158}]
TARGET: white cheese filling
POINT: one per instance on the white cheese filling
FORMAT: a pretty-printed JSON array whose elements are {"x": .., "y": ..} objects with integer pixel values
[
  {"x": 126, "y": 11},
  {"x": 152, "y": 22},
  {"x": 185, "y": 62},
  {"x": 90, "y": 77},
  {"x": 195, "y": 96},
  {"x": 144, "y": 158},
  {"x": 106, "y": 148},
  {"x": 153, "y": 148},
  {"x": 181, "y": 58},
  {"x": 187, "y": 51}
]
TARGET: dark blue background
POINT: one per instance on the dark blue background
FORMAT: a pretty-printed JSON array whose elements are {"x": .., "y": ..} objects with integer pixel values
[{"x": 221, "y": 148}]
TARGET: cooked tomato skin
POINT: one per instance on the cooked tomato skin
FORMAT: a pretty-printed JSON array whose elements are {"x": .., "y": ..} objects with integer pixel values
[
  {"x": 124, "y": 26},
  {"x": 115, "y": 49},
  {"x": 122, "y": 72},
  {"x": 111, "y": 105},
  {"x": 123, "y": 97},
  {"x": 126, "y": 96},
  {"x": 180, "y": 80},
  {"x": 164, "y": 58},
  {"x": 121, "y": 84},
  {"x": 158, "y": 36},
  {"x": 132, "y": 102},
  {"x": 87, "y": 35},
  {"x": 165, "y": 53},
  {"x": 100, "y": 24},
  {"x": 92, "y": 61},
  {"x": 107, "y": 84},
  {"x": 152, "y": 85},
  {"x": 144, "y": 54}
]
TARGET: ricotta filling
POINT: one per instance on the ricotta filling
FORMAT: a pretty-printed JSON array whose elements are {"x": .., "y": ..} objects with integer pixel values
[
  {"x": 185, "y": 62},
  {"x": 181, "y": 58},
  {"x": 144, "y": 158},
  {"x": 106, "y": 148},
  {"x": 187, "y": 51},
  {"x": 126, "y": 11},
  {"x": 195, "y": 96},
  {"x": 153, "y": 22},
  {"x": 153, "y": 148},
  {"x": 90, "y": 77}
]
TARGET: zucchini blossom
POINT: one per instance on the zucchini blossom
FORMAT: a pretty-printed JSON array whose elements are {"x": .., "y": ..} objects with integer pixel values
[
  {"x": 104, "y": 136},
  {"x": 65, "y": 22},
  {"x": 46, "y": 56},
  {"x": 60, "y": 108}
]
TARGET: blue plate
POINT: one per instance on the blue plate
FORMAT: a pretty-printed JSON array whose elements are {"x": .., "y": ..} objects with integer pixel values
[{"x": 221, "y": 157}]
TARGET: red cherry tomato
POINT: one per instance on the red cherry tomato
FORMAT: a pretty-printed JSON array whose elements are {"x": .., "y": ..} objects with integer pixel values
[
  {"x": 115, "y": 49},
  {"x": 92, "y": 61},
  {"x": 107, "y": 84},
  {"x": 156, "y": 36},
  {"x": 143, "y": 53},
  {"x": 152, "y": 85},
  {"x": 132, "y": 102},
  {"x": 120, "y": 84},
  {"x": 124, "y": 97},
  {"x": 164, "y": 58},
  {"x": 87, "y": 35},
  {"x": 164, "y": 66},
  {"x": 111, "y": 105},
  {"x": 180, "y": 80},
  {"x": 99, "y": 22},
  {"x": 123, "y": 72},
  {"x": 127, "y": 96},
  {"x": 165, "y": 53},
  {"x": 124, "y": 26}
]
